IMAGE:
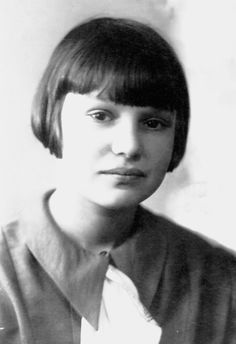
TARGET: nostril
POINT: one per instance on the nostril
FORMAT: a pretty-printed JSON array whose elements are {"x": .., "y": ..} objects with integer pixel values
[
  {"x": 126, "y": 138},
  {"x": 129, "y": 149},
  {"x": 133, "y": 155}
]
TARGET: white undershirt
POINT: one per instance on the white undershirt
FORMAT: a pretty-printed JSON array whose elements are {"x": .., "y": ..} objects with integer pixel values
[{"x": 123, "y": 319}]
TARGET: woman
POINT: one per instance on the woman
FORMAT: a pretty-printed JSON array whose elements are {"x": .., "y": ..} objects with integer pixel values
[{"x": 85, "y": 263}]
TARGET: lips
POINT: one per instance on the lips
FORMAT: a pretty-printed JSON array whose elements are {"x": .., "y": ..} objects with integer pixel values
[{"x": 125, "y": 172}]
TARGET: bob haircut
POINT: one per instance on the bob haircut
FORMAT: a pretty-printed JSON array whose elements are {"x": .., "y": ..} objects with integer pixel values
[{"x": 127, "y": 62}]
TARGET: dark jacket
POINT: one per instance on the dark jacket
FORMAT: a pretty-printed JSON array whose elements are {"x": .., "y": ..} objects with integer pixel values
[{"x": 47, "y": 283}]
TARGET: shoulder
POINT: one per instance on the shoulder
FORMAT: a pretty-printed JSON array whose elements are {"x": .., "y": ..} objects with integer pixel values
[
  {"x": 198, "y": 276},
  {"x": 186, "y": 247},
  {"x": 11, "y": 249},
  {"x": 10, "y": 236},
  {"x": 10, "y": 246}
]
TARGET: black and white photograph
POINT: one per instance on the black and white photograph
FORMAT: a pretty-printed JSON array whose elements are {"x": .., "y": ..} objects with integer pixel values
[{"x": 117, "y": 172}]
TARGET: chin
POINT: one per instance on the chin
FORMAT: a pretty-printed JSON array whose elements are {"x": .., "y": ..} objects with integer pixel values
[
  {"x": 121, "y": 200},
  {"x": 120, "y": 197}
]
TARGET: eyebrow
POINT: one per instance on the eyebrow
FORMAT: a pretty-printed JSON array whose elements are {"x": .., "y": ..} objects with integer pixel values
[{"x": 160, "y": 113}]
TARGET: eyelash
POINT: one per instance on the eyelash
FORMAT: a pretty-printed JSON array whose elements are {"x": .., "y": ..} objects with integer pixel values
[
  {"x": 160, "y": 124},
  {"x": 95, "y": 116},
  {"x": 107, "y": 117}
]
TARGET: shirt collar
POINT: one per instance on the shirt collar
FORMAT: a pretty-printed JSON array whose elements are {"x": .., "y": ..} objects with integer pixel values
[{"x": 80, "y": 274}]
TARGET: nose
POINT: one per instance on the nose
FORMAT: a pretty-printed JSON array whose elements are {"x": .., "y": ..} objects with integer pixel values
[{"x": 126, "y": 140}]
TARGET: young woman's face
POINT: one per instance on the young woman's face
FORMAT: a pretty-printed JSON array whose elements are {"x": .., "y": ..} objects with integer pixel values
[{"x": 114, "y": 155}]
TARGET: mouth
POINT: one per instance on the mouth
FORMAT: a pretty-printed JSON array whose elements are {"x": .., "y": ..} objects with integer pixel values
[{"x": 128, "y": 173}]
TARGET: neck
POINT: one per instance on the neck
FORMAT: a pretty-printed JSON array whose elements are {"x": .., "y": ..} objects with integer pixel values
[{"x": 90, "y": 225}]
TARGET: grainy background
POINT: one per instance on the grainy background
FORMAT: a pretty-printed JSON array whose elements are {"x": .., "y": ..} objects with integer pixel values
[{"x": 201, "y": 192}]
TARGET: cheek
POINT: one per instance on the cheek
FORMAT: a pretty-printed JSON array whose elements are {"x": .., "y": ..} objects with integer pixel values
[
  {"x": 160, "y": 153},
  {"x": 82, "y": 149},
  {"x": 159, "y": 162}
]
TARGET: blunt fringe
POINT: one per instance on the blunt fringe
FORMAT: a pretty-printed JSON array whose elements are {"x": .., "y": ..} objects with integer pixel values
[{"x": 124, "y": 60}]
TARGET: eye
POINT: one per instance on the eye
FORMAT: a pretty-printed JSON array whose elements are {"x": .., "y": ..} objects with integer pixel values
[
  {"x": 154, "y": 124},
  {"x": 100, "y": 116}
]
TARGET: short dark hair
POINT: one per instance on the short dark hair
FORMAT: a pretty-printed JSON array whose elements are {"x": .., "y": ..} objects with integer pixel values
[{"x": 127, "y": 62}]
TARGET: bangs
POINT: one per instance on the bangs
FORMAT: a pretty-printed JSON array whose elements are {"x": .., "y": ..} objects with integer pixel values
[{"x": 125, "y": 73}]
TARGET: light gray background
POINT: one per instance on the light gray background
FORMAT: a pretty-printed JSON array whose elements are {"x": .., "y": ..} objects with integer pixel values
[{"x": 200, "y": 194}]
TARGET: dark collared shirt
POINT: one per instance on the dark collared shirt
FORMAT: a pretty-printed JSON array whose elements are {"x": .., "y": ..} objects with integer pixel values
[{"x": 47, "y": 283}]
